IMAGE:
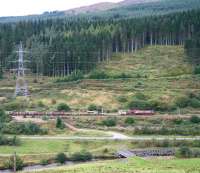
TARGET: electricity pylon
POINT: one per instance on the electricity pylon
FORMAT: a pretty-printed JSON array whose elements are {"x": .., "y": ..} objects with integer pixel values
[{"x": 21, "y": 88}]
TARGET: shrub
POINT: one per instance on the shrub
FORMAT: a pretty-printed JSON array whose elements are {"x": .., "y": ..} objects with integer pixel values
[
  {"x": 82, "y": 156},
  {"x": 165, "y": 143},
  {"x": 195, "y": 119},
  {"x": 105, "y": 150},
  {"x": 196, "y": 153},
  {"x": 197, "y": 70},
  {"x": 182, "y": 102},
  {"x": 61, "y": 158},
  {"x": 63, "y": 107},
  {"x": 35, "y": 80},
  {"x": 129, "y": 121},
  {"x": 190, "y": 100},
  {"x": 9, "y": 141},
  {"x": 27, "y": 128},
  {"x": 32, "y": 129},
  {"x": 59, "y": 123},
  {"x": 75, "y": 76},
  {"x": 41, "y": 104},
  {"x": 3, "y": 116},
  {"x": 10, "y": 163},
  {"x": 1, "y": 74},
  {"x": 196, "y": 143},
  {"x": 110, "y": 122},
  {"x": 14, "y": 106},
  {"x": 139, "y": 104},
  {"x": 122, "y": 99},
  {"x": 184, "y": 152},
  {"x": 194, "y": 103},
  {"x": 140, "y": 96},
  {"x": 98, "y": 75},
  {"x": 178, "y": 121},
  {"x": 122, "y": 76},
  {"x": 44, "y": 162},
  {"x": 162, "y": 106},
  {"x": 92, "y": 107}
]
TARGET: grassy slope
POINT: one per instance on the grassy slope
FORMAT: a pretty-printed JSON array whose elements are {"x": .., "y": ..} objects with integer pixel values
[
  {"x": 135, "y": 165},
  {"x": 29, "y": 146},
  {"x": 160, "y": 72}
]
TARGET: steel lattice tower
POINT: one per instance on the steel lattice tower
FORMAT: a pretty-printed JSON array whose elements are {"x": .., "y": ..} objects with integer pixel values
[{"x": 21, "y": 88}]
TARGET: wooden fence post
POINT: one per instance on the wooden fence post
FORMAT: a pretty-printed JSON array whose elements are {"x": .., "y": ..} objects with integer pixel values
[{"x": 14, "y": 162}]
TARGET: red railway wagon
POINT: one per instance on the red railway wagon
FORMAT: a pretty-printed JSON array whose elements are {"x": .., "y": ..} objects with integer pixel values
[{"x": 141, "y": 112}]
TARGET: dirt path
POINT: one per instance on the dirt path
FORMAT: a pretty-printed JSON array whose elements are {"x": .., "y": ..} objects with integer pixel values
[
  {"x": 111, "y": 136},
  {"x": 71, "y": 127},
  {"x": 116, "y": 135}
]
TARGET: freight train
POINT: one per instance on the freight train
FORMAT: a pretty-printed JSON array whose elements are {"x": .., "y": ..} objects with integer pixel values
[{"x": 134, "y": 112}]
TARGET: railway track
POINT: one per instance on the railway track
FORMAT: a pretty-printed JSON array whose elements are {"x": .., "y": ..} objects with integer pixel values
[{"x": 53, "y": 115}]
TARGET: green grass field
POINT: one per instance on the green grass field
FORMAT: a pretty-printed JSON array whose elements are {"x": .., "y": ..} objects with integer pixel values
[{"x": 134, "y": 165}]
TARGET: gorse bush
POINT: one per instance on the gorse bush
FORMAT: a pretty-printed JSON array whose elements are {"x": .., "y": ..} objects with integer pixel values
[
  {"x": 190, "y": 100},
  {"x": 197, "y": 70},
  {"x": 139, "y": 104},
  {"x": 44, "y": 162},
  {"x": 194, "y": 103},
  {"x": 162, "y": 106},
  {"x": 178, "y": 121},
  {"x": 41, "y": 104},
  {"x": 140, "y": 96},
  {"x": 184, "y": 152},
  {"x": 3, "y": 117},
  {"x": 75, "y": 76},
  {"x": 82, "y": 156},
  {"x": 141, "y": 101},
  {"x": 195, "y": 119},
  {"x": 109, "y": 122},
  {"x": 63, "y": 107},
  {"x": 120, "y": 76},
  {"x": 92, "y": 107},
  {"x": 28, "y": 128},
  {"x": 182, "y": 102},
  {"x": 59, "y": 123},
  {"x": 1, "y": 74},
  {"x": 129, "y": 121},
  {"x": 96, "y": 74},
  {"x": 61, "y": 158}
]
